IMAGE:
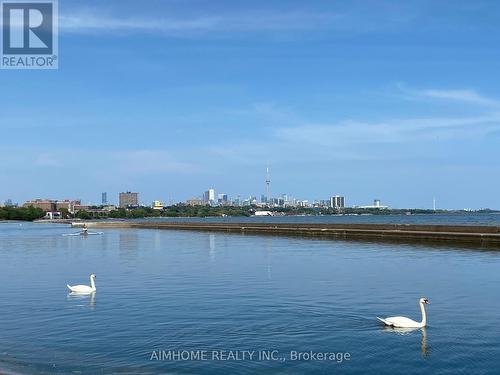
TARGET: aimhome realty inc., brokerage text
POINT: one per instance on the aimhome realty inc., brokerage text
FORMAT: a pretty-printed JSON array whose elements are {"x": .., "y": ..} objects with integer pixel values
[{"x": 248, "y": 355}]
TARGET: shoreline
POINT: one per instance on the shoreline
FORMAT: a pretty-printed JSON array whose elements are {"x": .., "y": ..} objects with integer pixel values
[{"x": 481, "y": 236}]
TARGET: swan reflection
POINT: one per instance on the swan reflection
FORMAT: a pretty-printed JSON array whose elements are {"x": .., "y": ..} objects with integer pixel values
[
  {"x": 78, "y": 297},
  {"x": 408, "y": 331}
]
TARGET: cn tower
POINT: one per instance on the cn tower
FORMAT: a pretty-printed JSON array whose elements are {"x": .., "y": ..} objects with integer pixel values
[{"x": 268, "y": 183}]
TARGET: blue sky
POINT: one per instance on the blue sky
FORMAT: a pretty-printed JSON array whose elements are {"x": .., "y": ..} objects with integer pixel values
[{"x": 368, "y": 99}]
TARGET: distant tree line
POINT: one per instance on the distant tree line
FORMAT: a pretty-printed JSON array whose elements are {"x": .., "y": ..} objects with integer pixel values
[
  {"x": 183, "y": 210},
  {"x": 21, "y": 213},
  {"x": 180, "y": 211}
]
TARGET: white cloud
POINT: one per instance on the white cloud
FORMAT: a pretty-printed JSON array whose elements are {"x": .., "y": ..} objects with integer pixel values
[
  {"x": 291, "y": 138},
  {"x": 88, "y": 22},
  {"x": 347, "y": 133},
  {"x": 466, "y": 96}
]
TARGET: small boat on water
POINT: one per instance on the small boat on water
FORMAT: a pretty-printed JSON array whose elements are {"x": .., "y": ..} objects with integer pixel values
[{"x": 83, "y": 232}]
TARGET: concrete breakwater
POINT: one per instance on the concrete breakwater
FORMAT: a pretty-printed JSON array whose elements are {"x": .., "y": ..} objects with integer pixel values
[{"x": 488, "y": 236}]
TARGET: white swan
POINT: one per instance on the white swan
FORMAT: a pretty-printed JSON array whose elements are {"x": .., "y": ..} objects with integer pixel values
[
  {"x": 84, "y": 289},
  {"x": 402, "y": 322}
]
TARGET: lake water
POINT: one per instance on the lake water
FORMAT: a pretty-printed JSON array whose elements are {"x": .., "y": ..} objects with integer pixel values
[
  {"x": 196, "y": 291},
  {"x": 450, "y": 219}
]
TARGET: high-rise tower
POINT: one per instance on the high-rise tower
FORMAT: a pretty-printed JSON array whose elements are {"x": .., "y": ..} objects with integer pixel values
[{"x": 268, "y": 185}]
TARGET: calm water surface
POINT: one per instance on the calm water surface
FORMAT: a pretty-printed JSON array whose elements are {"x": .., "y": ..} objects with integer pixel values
[
  {"x": 170, "y": 290},
  {"x": 448, "y": 219}
]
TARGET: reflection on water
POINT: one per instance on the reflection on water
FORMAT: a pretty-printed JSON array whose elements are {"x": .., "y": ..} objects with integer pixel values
[
  {"x": 182, "y": 290},
  {"x": 425, "y": 351},
  {"x": 269, "y": 254},
  {"x": 128, "y": 243},
  {"x": 83, "y": 299},
  {"x": 211, "y": 246},
  {"x": 157, "y": 240},
  {"x": 449, "y": 219}
]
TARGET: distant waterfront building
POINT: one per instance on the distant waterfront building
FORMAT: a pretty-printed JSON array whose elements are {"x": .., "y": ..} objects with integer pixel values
[
  {"x": 195, "y": 202},
  {"x": 45, "y": 204},
  {"x": 337, "y": 201},
  {"x": 52, "y": 215},
  {"x": 222, "y": 199},
  {"x": 52, "y": 205},
  {"x": 277, "y": 202},
  {"x": 81, "y": 207},
  {"x": 104, "y": 198},
  {"x": 157, "y": 205},
  {"x": 376, "y": 204},
  {"x": 209, "y": 196},
  {"x": 324, "y": 203},
  {"x": 304, "y": 203},
  {"x": 128, "y": 199},
  {"x": 249, "y": 201},
  {"x": 263, "y": 213},
  {"x": 237, "y": 201}
]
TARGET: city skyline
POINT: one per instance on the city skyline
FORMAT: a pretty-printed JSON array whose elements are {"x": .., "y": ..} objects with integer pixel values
[
  {"x": 212, "y": 195},
  {"x": 366, "y": 99},
  {"x": 131, "y": 199}
]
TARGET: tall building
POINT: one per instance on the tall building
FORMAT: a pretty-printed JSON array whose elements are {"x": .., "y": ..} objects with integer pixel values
[
  {"x": 209, "y": 195},
  {"x": 268, "y": 185},
  {"x": 222, "y": 198},
  {"x": 128, "y": 199},
  {"x": 104, "y": 198},
  {"x": 337, "y": 202},
  {"x": 237, "y": 201}
]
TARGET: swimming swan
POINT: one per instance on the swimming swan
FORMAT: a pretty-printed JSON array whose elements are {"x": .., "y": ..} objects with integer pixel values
[
  {"x": 84, "y": 289},
  {"x": 402, "y": 322}
]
